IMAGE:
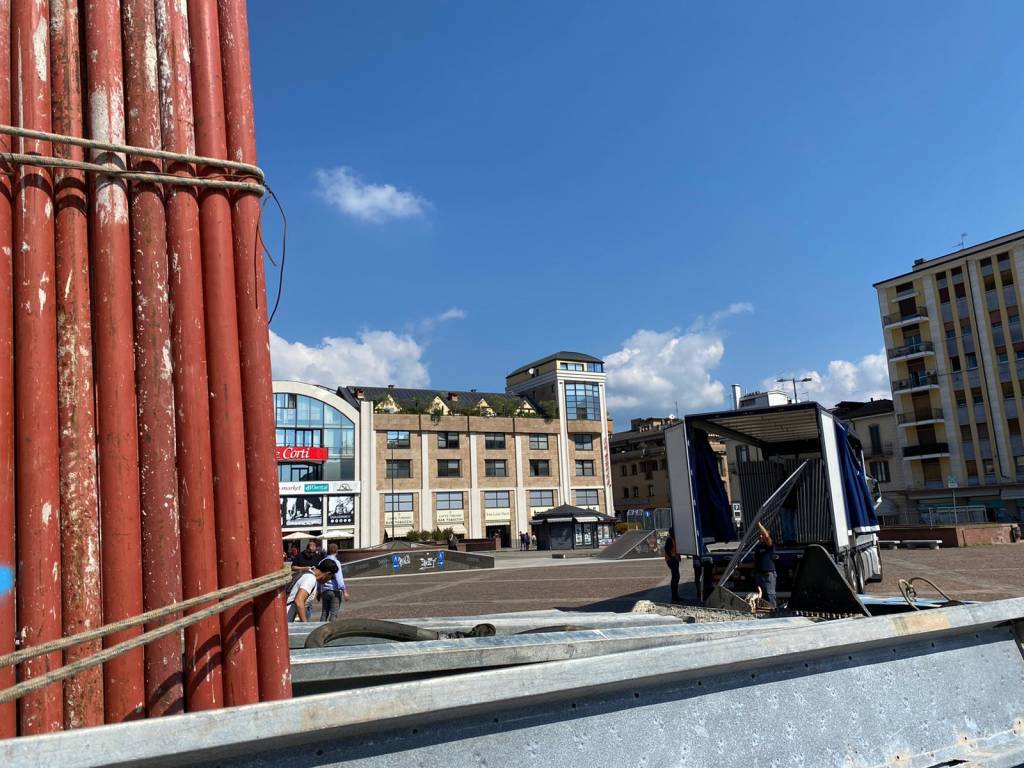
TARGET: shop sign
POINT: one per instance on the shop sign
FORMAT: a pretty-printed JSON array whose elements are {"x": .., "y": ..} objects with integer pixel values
[
  {"x": 497, "y": 515},
  {"x": 450, "y": 517},
  {"x": 400, "y": 520},
  {"x": 301, "y": 453},
  {"x": 304, "y": 489}
]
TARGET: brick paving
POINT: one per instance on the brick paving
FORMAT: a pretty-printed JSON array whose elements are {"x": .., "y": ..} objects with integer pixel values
[{"x": 975, "y": 573}]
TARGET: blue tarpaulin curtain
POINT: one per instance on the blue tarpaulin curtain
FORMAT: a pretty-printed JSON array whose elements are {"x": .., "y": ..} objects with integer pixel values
[
  {"x": 860, "y": 507},
  {"x": 714, "y": 513}
]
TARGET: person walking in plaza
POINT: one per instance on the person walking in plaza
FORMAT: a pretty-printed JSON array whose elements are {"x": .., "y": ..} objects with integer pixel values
[
  {"x": 307, "y": 558},
  {"x": 533, "y": 540},
  {"x": 304, "y": 586},
  {"x": 764, "y": 566},
  {"x": 672, "y": 561},
  {"x": 453, "y": 541},
  {"x": 333, "y": 590}
]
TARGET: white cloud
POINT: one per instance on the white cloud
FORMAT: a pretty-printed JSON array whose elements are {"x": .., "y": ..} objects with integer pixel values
[
  {"x": 374, "y": 358},
  {"x": 842, "y": 380},
  {"x": 368, "y": 202},
  {"x": 452, "y": 314}
]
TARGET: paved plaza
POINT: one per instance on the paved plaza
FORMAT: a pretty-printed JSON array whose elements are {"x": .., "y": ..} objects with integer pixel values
[{"x": 524, "y": 581}]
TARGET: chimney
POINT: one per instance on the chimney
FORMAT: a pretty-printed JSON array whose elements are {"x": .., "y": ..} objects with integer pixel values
[
  {"x": 453, "y": 397},
  {"x": 360, "y": 393},
  {"x": 391, "y": 386},
  {"x": 736, "y": 394}
]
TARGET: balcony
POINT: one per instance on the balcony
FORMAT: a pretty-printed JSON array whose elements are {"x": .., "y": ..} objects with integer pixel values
[
  {"x": 926, "y": 451},
  {"x": 906, "y": 293},
  {"x": 921, "y": 416},
  {"x": 918, "y": 313},
  {"x": 926, "y": 380},
  {"x": 908, "y": 351}
]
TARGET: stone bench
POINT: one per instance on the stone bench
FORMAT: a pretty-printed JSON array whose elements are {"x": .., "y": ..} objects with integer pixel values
[
  {"x": 922, "y": 543},
  {"x": 888, "y": 543}
]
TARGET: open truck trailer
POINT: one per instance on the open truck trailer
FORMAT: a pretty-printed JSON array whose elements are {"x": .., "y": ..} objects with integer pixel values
[{"x": 800, "y": 472}]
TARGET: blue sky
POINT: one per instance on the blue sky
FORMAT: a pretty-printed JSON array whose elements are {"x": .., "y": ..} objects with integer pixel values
[{"x": 703, "y": 194}]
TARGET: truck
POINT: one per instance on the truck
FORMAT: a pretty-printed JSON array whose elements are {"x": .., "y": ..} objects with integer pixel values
[{"x": 795, "y": 468}]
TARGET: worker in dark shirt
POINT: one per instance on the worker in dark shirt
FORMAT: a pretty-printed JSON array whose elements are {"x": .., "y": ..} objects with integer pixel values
[
  {"x": 764, "y": 565},
  {"x": 672, "y": 561},
  {"x": 305, "y": 561}
]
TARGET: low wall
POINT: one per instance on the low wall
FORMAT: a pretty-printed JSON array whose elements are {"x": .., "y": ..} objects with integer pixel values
[
  {"x": 407, "y": 561},
  {"x": 952, "y": 535}
]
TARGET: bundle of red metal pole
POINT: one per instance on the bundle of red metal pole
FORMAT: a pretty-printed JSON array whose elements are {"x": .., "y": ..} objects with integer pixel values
[{"x": 137, "y": 458}]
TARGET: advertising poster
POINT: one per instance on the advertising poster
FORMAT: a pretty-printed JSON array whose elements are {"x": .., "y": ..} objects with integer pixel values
[
  {"x": 341, "y": 510},
  {"x": 302, "y": 511}
]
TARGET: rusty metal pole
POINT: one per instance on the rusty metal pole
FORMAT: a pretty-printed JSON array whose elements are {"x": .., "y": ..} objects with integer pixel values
[
  {"x": 202, "y": 667},
  {"x": 254, "y": 343},
  {"x": 234, "y": 563},
  {"x": 79, "y": 519},
  {"x": 8, "y": 619},
  {"x": 37, "y": 476},
  {"x": 117, "y": 425},
  {"x": 161, "y": 539}
]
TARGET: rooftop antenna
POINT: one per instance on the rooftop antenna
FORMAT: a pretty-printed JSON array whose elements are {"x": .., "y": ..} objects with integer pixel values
[{"x": 963, "y": 236}]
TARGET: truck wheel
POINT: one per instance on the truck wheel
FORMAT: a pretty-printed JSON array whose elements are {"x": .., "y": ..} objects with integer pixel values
[{"x": 858, "y": 576}]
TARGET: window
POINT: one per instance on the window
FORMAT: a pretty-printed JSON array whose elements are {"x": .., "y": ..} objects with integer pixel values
[
  {"x": 495, "y": 468},
  {"x": 954, "y": 364},
  {"x": 972, "y": 361},
  {"x": 398, "y": 439},
  {"x": 583, "y": 442},
  {"x": 449, "y": 468},
  {"x": 540, "y": 468},
  {"x": 447, "y": 439},
  {"x": 496, "y": 500},
  {"x": 978, "y": 397},
  {"x": 398, "y": 468},
  {"x": 451, "y": 500},
  {"x": 538, "y": 442},
  {"x": 1014, "y": 425},
  {"x": 650, "y": 491},
  {"x": 589, "y": 367},
  {"x": 1002, "y": 357},
  {"x": 584, "y": 468},
  {"x": 586, "y": 498},
  {"x": 636, "y": 492},
  {"x": 494, "y": 441},
  {"x": 633, "y": 470},
  {"x": 571, "y": 366},
  {"x": 961, "y": 398},
  {"x": 1018, "y": 462},
  {"x": 880, "y": 471},
  {"x": 624, "y": 470},
  {"x": 582, "y": 401},
  {"x": 398, "y": 502},
  {"x": 965, "y": 432},
  {"x": 542, "y": 498},
  {"x": 664, "y": 464},
  {"x": 625, "y": 493},
  {"x": 304, "y": 421},
  {"x": 875, "y": 433},
  {"x": 988, "y": 467},
  {"x": 742, "y": 453},
  {"x": 950, "y": 333}
]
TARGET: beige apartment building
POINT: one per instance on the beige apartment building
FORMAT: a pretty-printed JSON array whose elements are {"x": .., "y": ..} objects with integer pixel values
[
  {"x": 955, "y": 349},
  {"x": 358, "y": 462}
]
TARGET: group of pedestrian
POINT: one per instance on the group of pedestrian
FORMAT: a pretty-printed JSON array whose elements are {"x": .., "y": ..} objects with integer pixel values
[
  {"x": 317, "y": 575},
  {"x": 526, "y": 540}
]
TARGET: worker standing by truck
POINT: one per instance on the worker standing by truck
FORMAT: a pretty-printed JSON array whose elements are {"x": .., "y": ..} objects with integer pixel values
[
  {"x": 764, "y": 566},
  {"x": 672, "y": 561}
]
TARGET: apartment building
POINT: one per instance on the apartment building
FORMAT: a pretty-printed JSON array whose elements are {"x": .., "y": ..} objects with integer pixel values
[
  {"x": 640, "y": 469},
  {"x": 874, "y": 422},
  {"x": 955, "y": 350},
  {"x": 481, "y": 463}
]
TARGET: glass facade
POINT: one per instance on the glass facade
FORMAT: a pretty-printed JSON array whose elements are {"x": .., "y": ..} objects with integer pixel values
[
  {"x": 497, "y": 500},
  {"x": 582, "y": 401},
  {"x": 308, "y": 422}
]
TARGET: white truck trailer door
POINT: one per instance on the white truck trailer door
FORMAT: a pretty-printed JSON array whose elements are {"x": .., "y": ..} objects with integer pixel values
[
  {"x": 680, "y": 483},
  {"x": 835, "y": 479}
]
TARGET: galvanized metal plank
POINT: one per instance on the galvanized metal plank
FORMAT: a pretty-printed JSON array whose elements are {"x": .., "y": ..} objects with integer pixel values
[{"x": 908, "y": 690}]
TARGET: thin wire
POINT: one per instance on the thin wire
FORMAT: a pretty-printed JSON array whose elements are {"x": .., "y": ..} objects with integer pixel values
[{"x": 284, "y": 245}]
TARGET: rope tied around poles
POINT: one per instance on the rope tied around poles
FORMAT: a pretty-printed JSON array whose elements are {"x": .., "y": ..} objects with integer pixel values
[
  {"x": 243, "y": 177},
  {"x": 229, "y": 596}
]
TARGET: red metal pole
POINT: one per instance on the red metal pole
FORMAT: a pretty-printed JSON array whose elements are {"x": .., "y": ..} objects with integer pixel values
[
  {"x": 35, "y": 396},
  {"x": 117, "y": 426},
  {"x": 234, "y": 563},
  {"x": 161, "y": 541},
  {"x": 79, "y": 519},
  {"x": 257, "y": 383},
  {"x": 203, "y": 679},
  {"x": 8, "y": 618}
]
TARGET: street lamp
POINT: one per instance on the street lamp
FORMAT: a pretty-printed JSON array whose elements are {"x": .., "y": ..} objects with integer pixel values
[{"x": 793, "y": 381}]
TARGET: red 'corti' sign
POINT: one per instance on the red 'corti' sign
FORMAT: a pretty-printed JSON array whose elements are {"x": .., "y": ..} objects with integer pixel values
[{"x": 296, "y": 453}]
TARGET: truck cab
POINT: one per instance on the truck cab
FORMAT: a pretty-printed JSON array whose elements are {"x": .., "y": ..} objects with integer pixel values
[{"x": 797, "y": 469}]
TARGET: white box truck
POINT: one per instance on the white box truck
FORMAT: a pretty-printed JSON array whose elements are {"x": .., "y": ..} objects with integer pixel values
[{"x": 829, "y": 502}]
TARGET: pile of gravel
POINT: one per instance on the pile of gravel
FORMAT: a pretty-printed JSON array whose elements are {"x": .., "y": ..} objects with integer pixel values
[{"x": 691, "y": 614}]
